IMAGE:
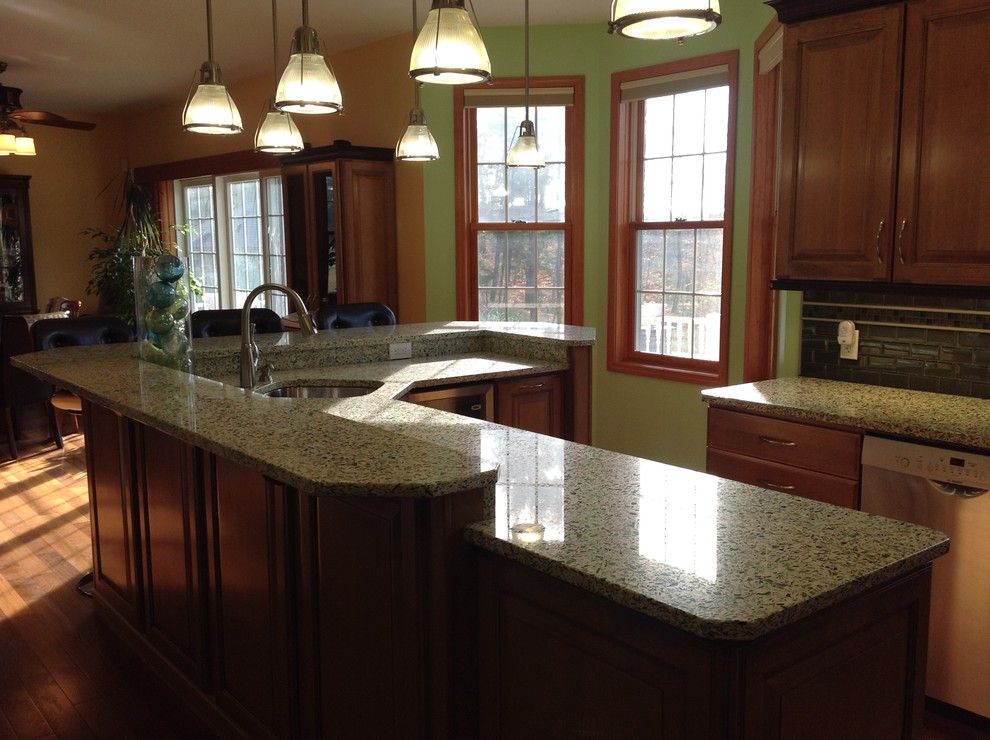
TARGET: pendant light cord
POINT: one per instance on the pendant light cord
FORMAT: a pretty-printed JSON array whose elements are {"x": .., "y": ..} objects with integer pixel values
[
  {"x": 305, "y": 8},
  {"x": 209, "y": 30},
  {"x": 416, "y": 83},
  {"x": 526, "y": 59},
  {"x": 275, "y": 39}
]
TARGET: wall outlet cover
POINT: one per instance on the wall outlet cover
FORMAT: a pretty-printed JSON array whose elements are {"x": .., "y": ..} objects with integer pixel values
[
  {"x": 850, "y": 351},
  {"x": 400, "y": 350}
]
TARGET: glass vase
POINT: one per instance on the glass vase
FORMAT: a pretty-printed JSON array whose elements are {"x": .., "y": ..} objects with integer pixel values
[{"x": 162, "y": 301}]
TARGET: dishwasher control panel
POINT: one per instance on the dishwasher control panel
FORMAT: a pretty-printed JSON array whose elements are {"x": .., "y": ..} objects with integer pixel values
[{"x": 925, "y": 461}]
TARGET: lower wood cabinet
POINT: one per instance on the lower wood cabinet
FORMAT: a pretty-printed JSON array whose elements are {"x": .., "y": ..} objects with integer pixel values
[
  {"x": 532, "y": 403},
  {"x": 803, "y": 459},
  {"x": 476, "y": 400},
  {"x": 560, "y": 662}
]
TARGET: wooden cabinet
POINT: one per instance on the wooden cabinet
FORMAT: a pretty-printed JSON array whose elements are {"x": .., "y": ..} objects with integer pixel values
[
  {"x": 340, "y": 224},
  {"x": 476, "y": 400},
  {"x": 884, "y": 132},
  {"x": 802, "y": 459},
  {"x": 16, "y": 252},
  {"x": 534, "y": 404}
]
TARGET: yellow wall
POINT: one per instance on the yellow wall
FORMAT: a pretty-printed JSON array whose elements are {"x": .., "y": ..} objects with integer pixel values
[
  {"x": 377, "y": 97},
  {"x": 67, "y": 177}
]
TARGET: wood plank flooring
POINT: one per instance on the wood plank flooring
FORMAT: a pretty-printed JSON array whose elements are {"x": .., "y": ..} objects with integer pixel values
[{"x": 61, "y": 674}]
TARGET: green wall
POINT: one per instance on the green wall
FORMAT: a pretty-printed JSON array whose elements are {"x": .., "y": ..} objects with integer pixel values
[{"x": 650, "y": 418}]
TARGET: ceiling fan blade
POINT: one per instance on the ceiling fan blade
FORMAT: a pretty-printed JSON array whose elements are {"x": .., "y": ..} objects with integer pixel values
[{"x": 44, "y": 118}]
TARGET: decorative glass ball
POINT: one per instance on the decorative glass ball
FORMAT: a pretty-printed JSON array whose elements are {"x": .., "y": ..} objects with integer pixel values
[
  {"x": 160, "y": 321},
  {"x": 160, "y": 294},
  {"x": 179, "y": 308},
  {"x": 175, "y": 344},
  {"x": 169, "y": 268}
]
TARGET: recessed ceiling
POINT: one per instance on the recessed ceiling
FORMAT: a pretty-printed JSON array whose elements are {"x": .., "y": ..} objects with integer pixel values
[{"x": 95, "y": 56}]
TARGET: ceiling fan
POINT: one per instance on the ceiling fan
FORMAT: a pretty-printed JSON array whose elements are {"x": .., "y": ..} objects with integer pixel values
[{"x": 10, "y": 108}]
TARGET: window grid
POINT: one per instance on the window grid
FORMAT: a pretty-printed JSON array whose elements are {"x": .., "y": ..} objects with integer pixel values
[{"x": 202, "y": 253}]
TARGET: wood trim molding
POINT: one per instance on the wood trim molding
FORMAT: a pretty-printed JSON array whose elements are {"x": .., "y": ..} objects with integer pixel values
[
  {"x": 760, "y": 341},
  {"x": 215, "y": 164},
  {"x": 465, "y": 205},
  {"x": 623, "y": 216},
  {"x": 794, "y": 11}
]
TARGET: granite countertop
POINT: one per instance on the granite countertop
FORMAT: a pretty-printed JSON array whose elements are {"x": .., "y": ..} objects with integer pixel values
[
  {"x": 935, "y": 417},
  {"x": 715, "y": 558}
]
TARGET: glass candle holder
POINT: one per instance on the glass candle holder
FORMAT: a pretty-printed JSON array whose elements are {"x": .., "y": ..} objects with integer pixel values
[{"x": 162, "y": 300}]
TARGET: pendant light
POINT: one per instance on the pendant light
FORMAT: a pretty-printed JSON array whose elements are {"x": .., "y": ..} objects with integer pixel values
[
  {"x": 277, "y": 132},
  {"x": 449, "y": 49},
  {"x": 525, "y": 152},
  {"x": 664, "y": 19},
  {"x": 417, "y": 143},
  {"x": 209, "y": 107},
  {"x": 308, "y": 85},
  {"x": 14, "y": 139}
]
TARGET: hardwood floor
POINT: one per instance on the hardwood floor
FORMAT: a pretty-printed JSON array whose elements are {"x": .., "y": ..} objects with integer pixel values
[{"x": 61, "y": 675}]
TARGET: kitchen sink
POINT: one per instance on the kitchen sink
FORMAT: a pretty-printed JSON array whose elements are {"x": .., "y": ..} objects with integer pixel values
[{"x": 320, "y": 391}]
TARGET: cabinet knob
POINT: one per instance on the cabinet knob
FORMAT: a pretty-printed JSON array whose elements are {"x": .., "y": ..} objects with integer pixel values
[{"x": 883, "y": 222}]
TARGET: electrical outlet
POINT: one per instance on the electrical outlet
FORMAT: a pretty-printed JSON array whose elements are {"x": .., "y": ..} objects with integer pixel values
[
  {"x": 400, "y": 350},
  {"x": 850, "y": 351}
]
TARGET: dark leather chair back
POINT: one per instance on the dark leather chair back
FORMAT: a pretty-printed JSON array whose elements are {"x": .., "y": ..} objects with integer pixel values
[
  {"x": 85, "y": 330},
  {"x": 18, "y": 388},
  {"x": 347, "y": 315},
  {"x": 226, "y": 322}
]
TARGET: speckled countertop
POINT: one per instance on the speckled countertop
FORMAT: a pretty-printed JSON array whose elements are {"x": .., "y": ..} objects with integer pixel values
[
  {"x": 715, "y": 558},
  {"x": 936, "y": 417}
]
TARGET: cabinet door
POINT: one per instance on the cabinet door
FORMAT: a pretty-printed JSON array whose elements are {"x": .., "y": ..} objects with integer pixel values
[
  {"x": 116, "y": 570},
  {"x": 534, "y": 404},
  {"x": 366, "y": 249},
  {"x": 944, "y": 184},
  {"x": 841, "y": 82},
  {"x": 299, "y": 233},
  {"x": 170, "y": 502}
]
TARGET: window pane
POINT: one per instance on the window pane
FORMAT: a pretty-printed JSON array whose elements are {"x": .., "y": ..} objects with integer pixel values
[
  {"x": 522, "y": 258},
  {"x": 687, "y": 178},
  {"x": 658, "y": 128},
  {"x": 714, "y": 198},
  {"x": 513, "y": 117},
  {"x": 550, "y": 305},
  {"x": 521, "y": 304},
  {"x": 491, "y": 259},
  {"x": 650, "y": 325},
  {"x": 522, "y": 194},
  {"x": 521, "y": 276},
  {"x": 492, "y": 192},
  {"x": 550, "y": 183},
  {"x": 678, "y": 321},
  {"x": 717, "y": 119},
  {"x": 274, "y": 195},
  {"x": 679, "y": 264},
  {"x": 491, "y": 134},
  {"x": 651, "y": 251},
  {"x": 707, "y": 325},
  {"x": 689, "y": 122},
  {"x": 550, "y": 132},
  {"x": 491, "y": 304},
  {"x": 656, "y": 190},
  {"x": 708, "y": 274},
  {"x": 550, "y": 259},
  {"x": 252, "y": 196}
]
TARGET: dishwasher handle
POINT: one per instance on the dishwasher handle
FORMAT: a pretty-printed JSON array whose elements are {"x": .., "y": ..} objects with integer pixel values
[{"x": 954, "y": 489}]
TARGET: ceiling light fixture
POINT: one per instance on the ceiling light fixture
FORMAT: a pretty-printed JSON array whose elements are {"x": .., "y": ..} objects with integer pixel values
[
  {"x": 209, "y": 107},
  {"x": 525, "y": 152},
  {"x": 14, "y": 139},
  {"x": 664, "y": 19},
  {"x": 308, "y": 85},
  {"x": 277, "y": 132},
  {"x": 417, "y": 143},
  {"x": 449, "y": 49}
]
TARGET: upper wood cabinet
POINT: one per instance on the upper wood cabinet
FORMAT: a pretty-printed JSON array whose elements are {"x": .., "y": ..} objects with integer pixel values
[
  {"x": 16, "y": 254},
  {"x": 883, "y": 135},
  {"x": 340, "y": 224}
]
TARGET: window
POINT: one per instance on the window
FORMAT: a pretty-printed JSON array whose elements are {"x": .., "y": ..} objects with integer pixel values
[
  {"x": 236, "y": 237},
  {"x": 673, "y": 149},
  {"x": 519, "y": 230}
]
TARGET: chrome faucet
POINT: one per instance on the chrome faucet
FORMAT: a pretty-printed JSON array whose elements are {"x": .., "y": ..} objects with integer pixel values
[{"x": 250, "y": 355}]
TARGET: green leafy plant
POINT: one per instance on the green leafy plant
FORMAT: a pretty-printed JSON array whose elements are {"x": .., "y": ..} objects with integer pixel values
[{"x": 138, "y": 234}]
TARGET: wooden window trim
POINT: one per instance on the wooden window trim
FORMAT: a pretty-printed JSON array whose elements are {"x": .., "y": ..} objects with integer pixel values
[
  {"x": 466, "y": 206},
  {"x": 624, "y": 177}
]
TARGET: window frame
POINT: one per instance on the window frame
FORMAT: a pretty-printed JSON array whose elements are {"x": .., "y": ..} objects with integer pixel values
[
  {"x": 466, "y": 202},
  {"x": 625, "y": 178}
]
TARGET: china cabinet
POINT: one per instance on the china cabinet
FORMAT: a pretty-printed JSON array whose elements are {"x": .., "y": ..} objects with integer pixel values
[{"x": 16, "y": 258}]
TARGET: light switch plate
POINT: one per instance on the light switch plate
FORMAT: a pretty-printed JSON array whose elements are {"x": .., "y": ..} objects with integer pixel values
[{"x": 400, "y": 350}]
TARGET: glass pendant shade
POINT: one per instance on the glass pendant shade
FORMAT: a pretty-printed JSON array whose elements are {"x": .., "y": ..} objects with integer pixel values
[
  {"x": 417, "y": 143},
  {"x": 308, "y": 85},
  {"x": 449, "y": 49},
  {"x": 209, "y": 107},
  {"x": 277, "y": 133},
  {"x": 664, "y": 19},
  {"x": 525, "y": 152},
  {"x": 24, "y": 145},
  {"x": 7, "y": 145}
]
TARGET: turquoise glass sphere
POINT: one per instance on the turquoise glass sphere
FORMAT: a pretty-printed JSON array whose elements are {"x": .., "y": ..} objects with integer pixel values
[
  {"x": 160, "y": 294},
  {"x": 169, "y": 268}
]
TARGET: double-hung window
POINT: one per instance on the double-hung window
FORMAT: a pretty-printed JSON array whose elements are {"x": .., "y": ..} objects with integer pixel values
[
  {"x": 519, "y": 229},
  {"x": 671, "y": 225},
  {"x": 235, "y": 237}
]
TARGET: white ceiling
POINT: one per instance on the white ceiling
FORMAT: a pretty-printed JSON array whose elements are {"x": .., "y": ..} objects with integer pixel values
[{"x": 93, "y": 56}]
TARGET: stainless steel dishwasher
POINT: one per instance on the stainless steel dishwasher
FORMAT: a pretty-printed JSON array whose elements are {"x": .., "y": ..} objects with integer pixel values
[{"x": 945, "y": 490}]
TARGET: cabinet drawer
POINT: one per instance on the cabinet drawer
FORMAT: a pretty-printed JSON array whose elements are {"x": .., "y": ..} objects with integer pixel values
[
  {"x": 784, "y": 478},
  {"x": 802, "y": 445}
]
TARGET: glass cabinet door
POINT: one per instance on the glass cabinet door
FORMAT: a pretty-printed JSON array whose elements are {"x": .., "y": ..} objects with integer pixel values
[{"x": 16, "y": 263}]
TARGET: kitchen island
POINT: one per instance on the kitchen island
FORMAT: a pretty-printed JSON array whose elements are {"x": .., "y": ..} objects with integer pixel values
[{"x": 316, "y": 566}]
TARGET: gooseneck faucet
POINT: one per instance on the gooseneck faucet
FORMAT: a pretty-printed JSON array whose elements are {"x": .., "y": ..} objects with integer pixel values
[{"x": 250, "y": 356}]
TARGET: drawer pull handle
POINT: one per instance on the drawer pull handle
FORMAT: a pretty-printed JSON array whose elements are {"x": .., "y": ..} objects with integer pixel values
[
  {"x": 476, "y": 407},
  {"x": 775, "y": 486},
  {"x": 900, "y": 241},
  {"x": 533, "y": 387},
  {"x": 778, "y": 442},
  {"x": 883, "y": 222}
]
